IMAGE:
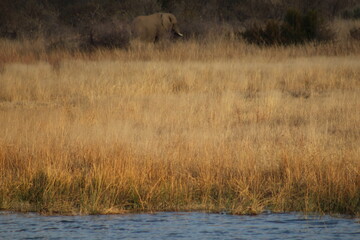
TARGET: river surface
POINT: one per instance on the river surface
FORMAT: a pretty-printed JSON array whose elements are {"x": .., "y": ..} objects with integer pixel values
[{"x": 171, "y": 225}]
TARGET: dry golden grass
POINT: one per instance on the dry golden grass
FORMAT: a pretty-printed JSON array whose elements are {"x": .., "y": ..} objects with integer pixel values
[{"x": 217, "y": 126}]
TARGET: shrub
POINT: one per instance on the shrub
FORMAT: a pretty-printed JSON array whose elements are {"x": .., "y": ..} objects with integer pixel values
[
  {"x": 355, "y": 33},
  {"x": 108, "y": 34},
  {"x": 111, "y": 34},
  {"x": 296, "y": 28},
  {"x": 351, "y": 14},
  {"x": 299, "y": 28},
  {"x": 62, "y": 38},
  {"x": 269, "y": 35},
  {"x": 356, "y": 13}
]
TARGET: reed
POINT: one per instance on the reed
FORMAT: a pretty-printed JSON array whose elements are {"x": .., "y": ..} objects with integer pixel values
[{"x": 215, "y": 126}]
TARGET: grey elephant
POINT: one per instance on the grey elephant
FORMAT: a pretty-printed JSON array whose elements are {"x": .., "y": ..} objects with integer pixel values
[{"x": 155, "y": 27}]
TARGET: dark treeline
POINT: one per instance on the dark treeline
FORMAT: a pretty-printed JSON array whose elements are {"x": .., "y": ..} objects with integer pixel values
[{"x": 34, "y": 18}]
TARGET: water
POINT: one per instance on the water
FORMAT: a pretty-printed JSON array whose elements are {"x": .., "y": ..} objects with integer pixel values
[{"x": 177, "y": 226}]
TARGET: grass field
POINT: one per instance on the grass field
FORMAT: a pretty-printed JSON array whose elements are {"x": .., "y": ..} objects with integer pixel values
[{"x": 215, "y": 126}]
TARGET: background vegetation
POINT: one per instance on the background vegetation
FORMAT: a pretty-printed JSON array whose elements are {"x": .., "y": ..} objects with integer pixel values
[{"x": 67, "y": 22}]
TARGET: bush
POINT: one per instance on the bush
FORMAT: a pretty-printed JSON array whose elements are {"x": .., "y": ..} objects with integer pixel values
[
  {"x": 207, "y": 30},
  {"x": 296, "y": 28},
  {"x": 111, "y": 34},
  {"x": 299, "y": 28},
  {"x": 356, "y": 13},
  {"x": 355, "y": 33},
  {"x": 351, "y": 14},
  {"x": 269, "y": 35},
  {"x": 62, "y": 38},
  {"x": 108, "y": 34}
]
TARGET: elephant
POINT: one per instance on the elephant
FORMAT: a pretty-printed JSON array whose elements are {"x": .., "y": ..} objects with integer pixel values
[{"x": 155, "y": 27}]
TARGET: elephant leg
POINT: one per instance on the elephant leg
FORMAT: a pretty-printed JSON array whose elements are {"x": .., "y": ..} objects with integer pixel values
[{"x": 156, "y": 39}]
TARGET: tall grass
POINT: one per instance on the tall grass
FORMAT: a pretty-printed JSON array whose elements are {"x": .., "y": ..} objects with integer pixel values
[{"x": 220, "y": 126}]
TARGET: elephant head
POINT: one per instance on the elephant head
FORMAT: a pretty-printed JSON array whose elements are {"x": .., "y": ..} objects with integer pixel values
[
  {"x": 170, "y": 24},
  {"x": 155, "y": 27}
]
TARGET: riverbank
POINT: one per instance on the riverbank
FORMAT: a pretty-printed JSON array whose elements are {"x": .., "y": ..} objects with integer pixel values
[{"x": 220, "y": 126}]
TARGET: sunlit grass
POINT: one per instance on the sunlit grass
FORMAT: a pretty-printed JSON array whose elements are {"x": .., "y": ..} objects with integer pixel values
[{"x": 220, "y": 126}]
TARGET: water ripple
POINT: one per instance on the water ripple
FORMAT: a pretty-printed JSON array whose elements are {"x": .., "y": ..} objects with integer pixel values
[{"x": 177, "y": 226}]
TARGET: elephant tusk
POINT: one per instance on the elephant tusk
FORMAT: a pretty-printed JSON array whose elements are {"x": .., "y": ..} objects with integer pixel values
[{"x": 180, "y": 34}]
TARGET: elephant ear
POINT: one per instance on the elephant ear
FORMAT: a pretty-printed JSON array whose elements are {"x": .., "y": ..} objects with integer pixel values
[{"x": 166, "y": 21}]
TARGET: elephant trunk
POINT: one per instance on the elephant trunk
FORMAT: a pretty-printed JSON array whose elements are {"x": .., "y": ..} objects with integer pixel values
[{"x": 177, "y": 30}]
